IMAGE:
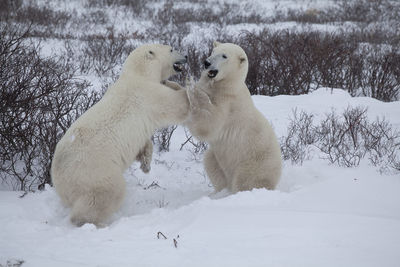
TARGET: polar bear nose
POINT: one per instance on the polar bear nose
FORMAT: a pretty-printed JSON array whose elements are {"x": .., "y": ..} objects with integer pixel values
[{"x": 207, "y": 63}]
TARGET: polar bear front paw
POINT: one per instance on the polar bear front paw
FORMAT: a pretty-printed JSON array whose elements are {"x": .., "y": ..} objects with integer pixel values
[
  {"x": 145, "y": 162},
  {"x": 198, "y": 99},
  {"x": 145, "y": 156}
]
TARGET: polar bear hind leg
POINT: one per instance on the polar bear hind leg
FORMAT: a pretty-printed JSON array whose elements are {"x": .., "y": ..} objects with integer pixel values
[
  {"x": 99, "y": 204},
  {"x": 247, "y": 178},
  {"x": 214, "y": 171}
]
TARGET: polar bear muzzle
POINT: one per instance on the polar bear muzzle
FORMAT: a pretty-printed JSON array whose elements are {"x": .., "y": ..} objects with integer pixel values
[
  {"x": 212, "y": 73},
  {"x": 212, "y": 64},
  {"x": 178, "y": 65}
]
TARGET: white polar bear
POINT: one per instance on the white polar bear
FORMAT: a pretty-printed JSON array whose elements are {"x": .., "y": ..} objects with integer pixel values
[
  {"x": 243, "y": 150},
  {"x": 89, "y": 161}
]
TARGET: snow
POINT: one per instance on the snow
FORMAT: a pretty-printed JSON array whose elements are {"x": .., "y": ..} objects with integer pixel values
[{"x": 320, "y": 214}]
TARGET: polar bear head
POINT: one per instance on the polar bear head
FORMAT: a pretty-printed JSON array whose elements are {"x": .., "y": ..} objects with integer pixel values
[
  {"x": 154, "y": 61},
  {"x": 227, "y": 62}
]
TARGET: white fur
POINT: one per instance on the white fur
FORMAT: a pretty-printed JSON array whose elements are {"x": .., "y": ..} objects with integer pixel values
[
  {"x": 90, "y": 159},
  {"x": 244, "y": 152}
]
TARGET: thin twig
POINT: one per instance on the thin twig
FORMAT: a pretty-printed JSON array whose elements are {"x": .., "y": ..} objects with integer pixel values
[
  {"x": 24, "y": 194},
  {"x": 158, "y": 235}
]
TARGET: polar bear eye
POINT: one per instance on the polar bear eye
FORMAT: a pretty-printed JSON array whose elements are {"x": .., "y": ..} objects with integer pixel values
[
  {"x": 224, "y": 56},
  {"x": 151, "y": 52},
  {"x": 171, "y": 50}
]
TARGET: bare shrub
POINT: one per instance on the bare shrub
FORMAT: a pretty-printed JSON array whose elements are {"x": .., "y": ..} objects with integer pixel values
[
  {"x": 8, "y": 7},
  {"x": 42, "y": 18},
  {"x": 31, "y": 13},
  {"x": 383, "y": 144},
  {"x": 359, "y": 11},
  {"x": 103, "y": 53},
  {"x": 332, "y": 57},
  {"x": 174, "y": 27},
  {"x": 343, "y": 140},
  {"x": 232, "y": 13},
  {"x": 281, "y": 62},
  {"x": 81, "y": 60},
  {"x": 379, "y": 33},
  {"x": 162, "y": 138},
  {"x": 300, "y": 135},
  {"x": 367, "y": 10},
  {"x": 220, "y": 13},
  {"x": 41, "y": 15},
  {"x": 293, "y": 63},
  {"x": 137, "y": 6},
  {"x": 381, "y": 75},
  {"x": 310, "y": 15},
  {"x": 97, "y": 17},
  {"x": 195, "y": 147},
  {"x": 357, "y": 138},
  {"x": 260, "y": 77},
  {"x": 352, "y": 75},
  {"x": 40, "y": 99}
]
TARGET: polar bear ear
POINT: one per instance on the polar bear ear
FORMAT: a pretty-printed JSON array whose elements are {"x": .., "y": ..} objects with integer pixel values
[
  {"x": 150, "y": 54},
  {"x": 215, "y": 44}
]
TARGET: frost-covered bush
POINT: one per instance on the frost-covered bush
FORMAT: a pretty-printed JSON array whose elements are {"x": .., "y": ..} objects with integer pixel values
[
  {"x": 40, "y": 98},
  {"x": 341, "y": 140},
  {"x": 102, "y": 53},
  {"x": 363, "y": 12},
  {"x": 295, "y": 146},
  {"x": 194, "y": 146},
  {"x": 43, "y": 20},
  {"x": 136, "y": 6},
  {"x": 344, "y": 139},
  {"x": 367, "y": 10}
]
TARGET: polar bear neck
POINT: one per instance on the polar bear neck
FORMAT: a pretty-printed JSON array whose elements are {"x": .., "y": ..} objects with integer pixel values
[
  {"x": 222, "y": 88},
  {"x": 225, "y": 86},
  {"x": 237, "y": 77},
  {"x": 227, "y": 81},
  {"x": 150, "y": 73},
  {"x": 230, "y": 80}
]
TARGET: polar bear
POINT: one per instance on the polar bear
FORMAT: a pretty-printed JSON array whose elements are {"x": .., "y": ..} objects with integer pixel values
[
  {"x": 243, "y": 150},
  {"x": 89, "y": 160}
]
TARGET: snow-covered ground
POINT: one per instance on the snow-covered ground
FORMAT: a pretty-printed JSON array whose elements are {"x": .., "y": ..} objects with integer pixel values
[{"x": 320, "y": 214}]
